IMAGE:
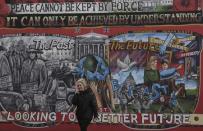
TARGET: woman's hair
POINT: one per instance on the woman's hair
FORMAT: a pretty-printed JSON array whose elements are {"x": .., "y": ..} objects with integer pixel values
[{"x": 83, "y": 82}]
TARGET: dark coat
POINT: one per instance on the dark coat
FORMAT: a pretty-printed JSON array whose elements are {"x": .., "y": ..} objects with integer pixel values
[{"x": 86, "y": 105}]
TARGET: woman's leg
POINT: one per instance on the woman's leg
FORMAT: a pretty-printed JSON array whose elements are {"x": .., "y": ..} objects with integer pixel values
[{"x": 84, "y": 124}]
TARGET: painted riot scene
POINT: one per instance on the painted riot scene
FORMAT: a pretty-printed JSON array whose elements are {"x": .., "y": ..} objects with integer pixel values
[
  {"x": 155, "y": 72},
  {"x": 38, "y": 73}
]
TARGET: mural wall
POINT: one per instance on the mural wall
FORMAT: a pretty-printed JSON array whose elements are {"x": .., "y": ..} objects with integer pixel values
[
  {"x": 130, "y": 74},
  {"x": 141, "y": 59}
]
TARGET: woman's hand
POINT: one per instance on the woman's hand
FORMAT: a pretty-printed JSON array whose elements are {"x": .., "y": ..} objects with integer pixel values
[{"x": 76, "y": 89}]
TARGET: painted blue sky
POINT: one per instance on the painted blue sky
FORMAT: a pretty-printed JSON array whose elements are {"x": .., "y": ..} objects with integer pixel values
[
  {"x": 138, "y": 76},
  {"x": 189, "y": 84},
  {"x": 144, "y": 36}
]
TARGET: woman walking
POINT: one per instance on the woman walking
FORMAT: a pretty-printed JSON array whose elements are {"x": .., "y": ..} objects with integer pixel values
[{"x": 86, "y": 104}]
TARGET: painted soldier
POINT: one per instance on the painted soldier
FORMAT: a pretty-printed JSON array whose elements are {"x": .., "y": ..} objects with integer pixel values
[
  {"x": 5, "y": 71},
  {"x": 16, "y": 56},
  {"x": 34, "y": 70},
  {"x": 4, "y": 65}
]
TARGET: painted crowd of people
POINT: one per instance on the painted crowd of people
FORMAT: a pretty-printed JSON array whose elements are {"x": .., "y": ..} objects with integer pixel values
[{"x": 24, "y": 66}]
